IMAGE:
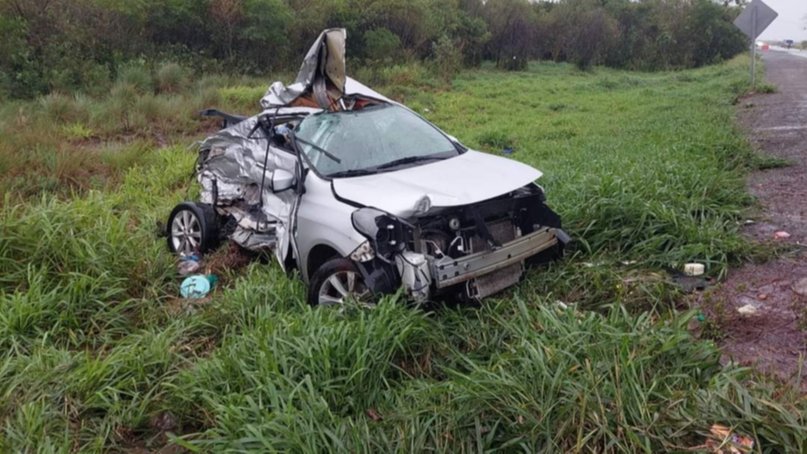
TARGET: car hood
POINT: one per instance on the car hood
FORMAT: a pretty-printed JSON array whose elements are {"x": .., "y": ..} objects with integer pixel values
[{"x": 468, "y": 178}]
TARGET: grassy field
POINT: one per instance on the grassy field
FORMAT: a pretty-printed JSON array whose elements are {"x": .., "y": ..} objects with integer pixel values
[{"x": 97, "y": 352}]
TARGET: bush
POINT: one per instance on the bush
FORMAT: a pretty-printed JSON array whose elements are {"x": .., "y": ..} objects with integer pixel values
[
  {"x": 62, "y": 108},
  {"x": 381, "y": 44},
  {"x": 96, "y": 80},
  {"x": 447, "y": 58},
  {"x": 136, "y": 75},
  {"x": 170, "y": 77}
]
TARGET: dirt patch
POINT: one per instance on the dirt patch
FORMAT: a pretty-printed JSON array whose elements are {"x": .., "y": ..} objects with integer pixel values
[
  {"x": 760, "y": 318},
  {"x": 227, "y": 260}
]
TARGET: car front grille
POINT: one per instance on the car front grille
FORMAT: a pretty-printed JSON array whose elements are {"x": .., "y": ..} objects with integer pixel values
[{"x": 503, "y": 231}]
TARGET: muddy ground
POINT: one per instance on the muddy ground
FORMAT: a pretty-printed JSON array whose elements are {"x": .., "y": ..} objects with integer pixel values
[{"x": 760, "y": 311}]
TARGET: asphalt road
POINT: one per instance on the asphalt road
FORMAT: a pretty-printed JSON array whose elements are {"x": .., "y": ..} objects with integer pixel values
[
  {"x": 772, "y": 336},
  {"x": 791, "y": 51}
]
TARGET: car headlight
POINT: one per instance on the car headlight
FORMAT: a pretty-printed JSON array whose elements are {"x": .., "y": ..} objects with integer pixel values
[
  {"x": 363, "y": 253},
  {"x": 386, "y": 233}
]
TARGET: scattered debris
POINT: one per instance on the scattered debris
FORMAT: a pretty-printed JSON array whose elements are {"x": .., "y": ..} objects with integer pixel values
[
  {"x": 748, "y": 309},
  {"x": 188, "y": 264},
  {"x": 508, "y": 150},
  {"x": 196, "y": 286},
  {"x": 762, "y": 296},
  {"x": 800, "y": 287},
  {"x": 724, "y": 441},
  {"x": 693, "y": 269},
  {"x": 781, "y": 235},
  {"x": 561, "y": 305},
  {"x": 628, "y": 262}
]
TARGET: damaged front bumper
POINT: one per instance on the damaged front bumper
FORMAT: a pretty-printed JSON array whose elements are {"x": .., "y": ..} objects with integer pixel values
[
  {"x": 475, "y": 276},
  {"x": 448, "y": 271}
]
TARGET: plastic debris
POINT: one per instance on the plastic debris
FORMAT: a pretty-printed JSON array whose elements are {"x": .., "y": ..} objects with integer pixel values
[
  {"x": 724, "y": 440},
  {"x": 781, "y": 235},
  {"x": 188, "y": 264},
  {"x": 748, "y": 309},
  {"x": 693, "y": 269},
  {"x": 508, "y": 150},
  {"x": 700, "y": 317},
  {"x": 196, "y": 286}
]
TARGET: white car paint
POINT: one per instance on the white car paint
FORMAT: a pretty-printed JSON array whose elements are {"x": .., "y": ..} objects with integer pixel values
[{"x": 468, "y": 178}]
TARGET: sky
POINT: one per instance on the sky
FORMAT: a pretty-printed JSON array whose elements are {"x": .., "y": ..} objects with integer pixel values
[{"x": 791, "y": 22}]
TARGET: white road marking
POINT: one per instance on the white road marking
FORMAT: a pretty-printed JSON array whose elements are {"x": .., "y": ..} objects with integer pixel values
[{"x": 783, "y": 128}]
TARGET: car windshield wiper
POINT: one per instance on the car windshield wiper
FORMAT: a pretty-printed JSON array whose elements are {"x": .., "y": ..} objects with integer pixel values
[
  {"x": 353, "y": 173},
  {"x": 320, "y": 149},
  {"x": 410, "y": 160}
]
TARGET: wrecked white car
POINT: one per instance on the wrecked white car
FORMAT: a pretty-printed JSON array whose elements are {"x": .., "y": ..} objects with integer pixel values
[{"x": 363, "y": 195}]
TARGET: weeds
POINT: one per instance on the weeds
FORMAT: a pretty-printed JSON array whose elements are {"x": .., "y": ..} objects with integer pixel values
[{"x": 646, "y": 170}]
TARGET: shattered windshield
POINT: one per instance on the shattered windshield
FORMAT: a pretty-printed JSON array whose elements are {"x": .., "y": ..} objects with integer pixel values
[{"x": 369, "y": 140}]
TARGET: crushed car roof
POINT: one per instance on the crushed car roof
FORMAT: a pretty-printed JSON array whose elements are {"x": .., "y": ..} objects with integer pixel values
[{"x": 322, "y": 80}]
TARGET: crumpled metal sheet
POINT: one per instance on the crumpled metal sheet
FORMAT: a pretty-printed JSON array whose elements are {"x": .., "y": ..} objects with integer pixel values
[
  {"x": 252, "y": 240},
  {"x": 325, "y": 58},
  {"x": 279, "y": 94},
  {"x": 232, "y": 171}
]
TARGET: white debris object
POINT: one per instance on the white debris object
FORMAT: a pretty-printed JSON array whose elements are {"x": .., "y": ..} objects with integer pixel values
[
  {"x": 781, "y": 235},
  {"x": 748, "y": 309},
  {"x": 693, "y": 269}
]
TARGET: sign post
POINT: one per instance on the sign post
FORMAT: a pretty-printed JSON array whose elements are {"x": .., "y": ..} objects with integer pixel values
[{"x": 752, "y": 21}]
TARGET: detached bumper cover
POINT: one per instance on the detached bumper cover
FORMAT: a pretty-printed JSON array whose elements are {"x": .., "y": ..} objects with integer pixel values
[{"x": 447, "y": 271}]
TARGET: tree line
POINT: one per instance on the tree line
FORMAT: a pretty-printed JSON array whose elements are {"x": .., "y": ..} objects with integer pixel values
[{"x": 68, "y": 44}]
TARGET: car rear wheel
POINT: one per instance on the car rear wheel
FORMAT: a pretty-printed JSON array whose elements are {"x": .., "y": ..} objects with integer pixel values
[
  {"x": 336, "y": 282},
  {"x": 192, "y": 228}
]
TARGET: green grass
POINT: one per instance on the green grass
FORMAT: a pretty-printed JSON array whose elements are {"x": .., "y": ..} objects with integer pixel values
[{"x": 98, "y": 353}]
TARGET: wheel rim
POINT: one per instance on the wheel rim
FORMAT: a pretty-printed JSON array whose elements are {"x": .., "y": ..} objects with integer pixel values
[
  {"x": 186, "y": 232},
  {"x": 341, "y": 286}
]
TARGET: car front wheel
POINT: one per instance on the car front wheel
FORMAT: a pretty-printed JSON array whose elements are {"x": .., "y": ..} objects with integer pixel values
[{"x": 336, "y": 282}]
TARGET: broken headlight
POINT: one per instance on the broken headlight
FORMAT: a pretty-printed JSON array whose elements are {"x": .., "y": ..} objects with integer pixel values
[
  {"x": 363, "y": 253},
  {"x": 386, "y": 233}
]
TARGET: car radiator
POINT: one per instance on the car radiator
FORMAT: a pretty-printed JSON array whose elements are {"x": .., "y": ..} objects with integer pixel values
[{"x": 502, "y": 231}]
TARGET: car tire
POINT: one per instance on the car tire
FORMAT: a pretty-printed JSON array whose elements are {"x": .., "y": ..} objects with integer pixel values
[
  {"x": 192, "y": 228},
  {"x": 336, "y": 280}
]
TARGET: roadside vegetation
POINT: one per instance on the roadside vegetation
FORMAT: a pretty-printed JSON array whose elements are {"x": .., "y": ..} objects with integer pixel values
[
  {"x": 594, "y": 353},
  {"x": 69, "y": 45}
]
